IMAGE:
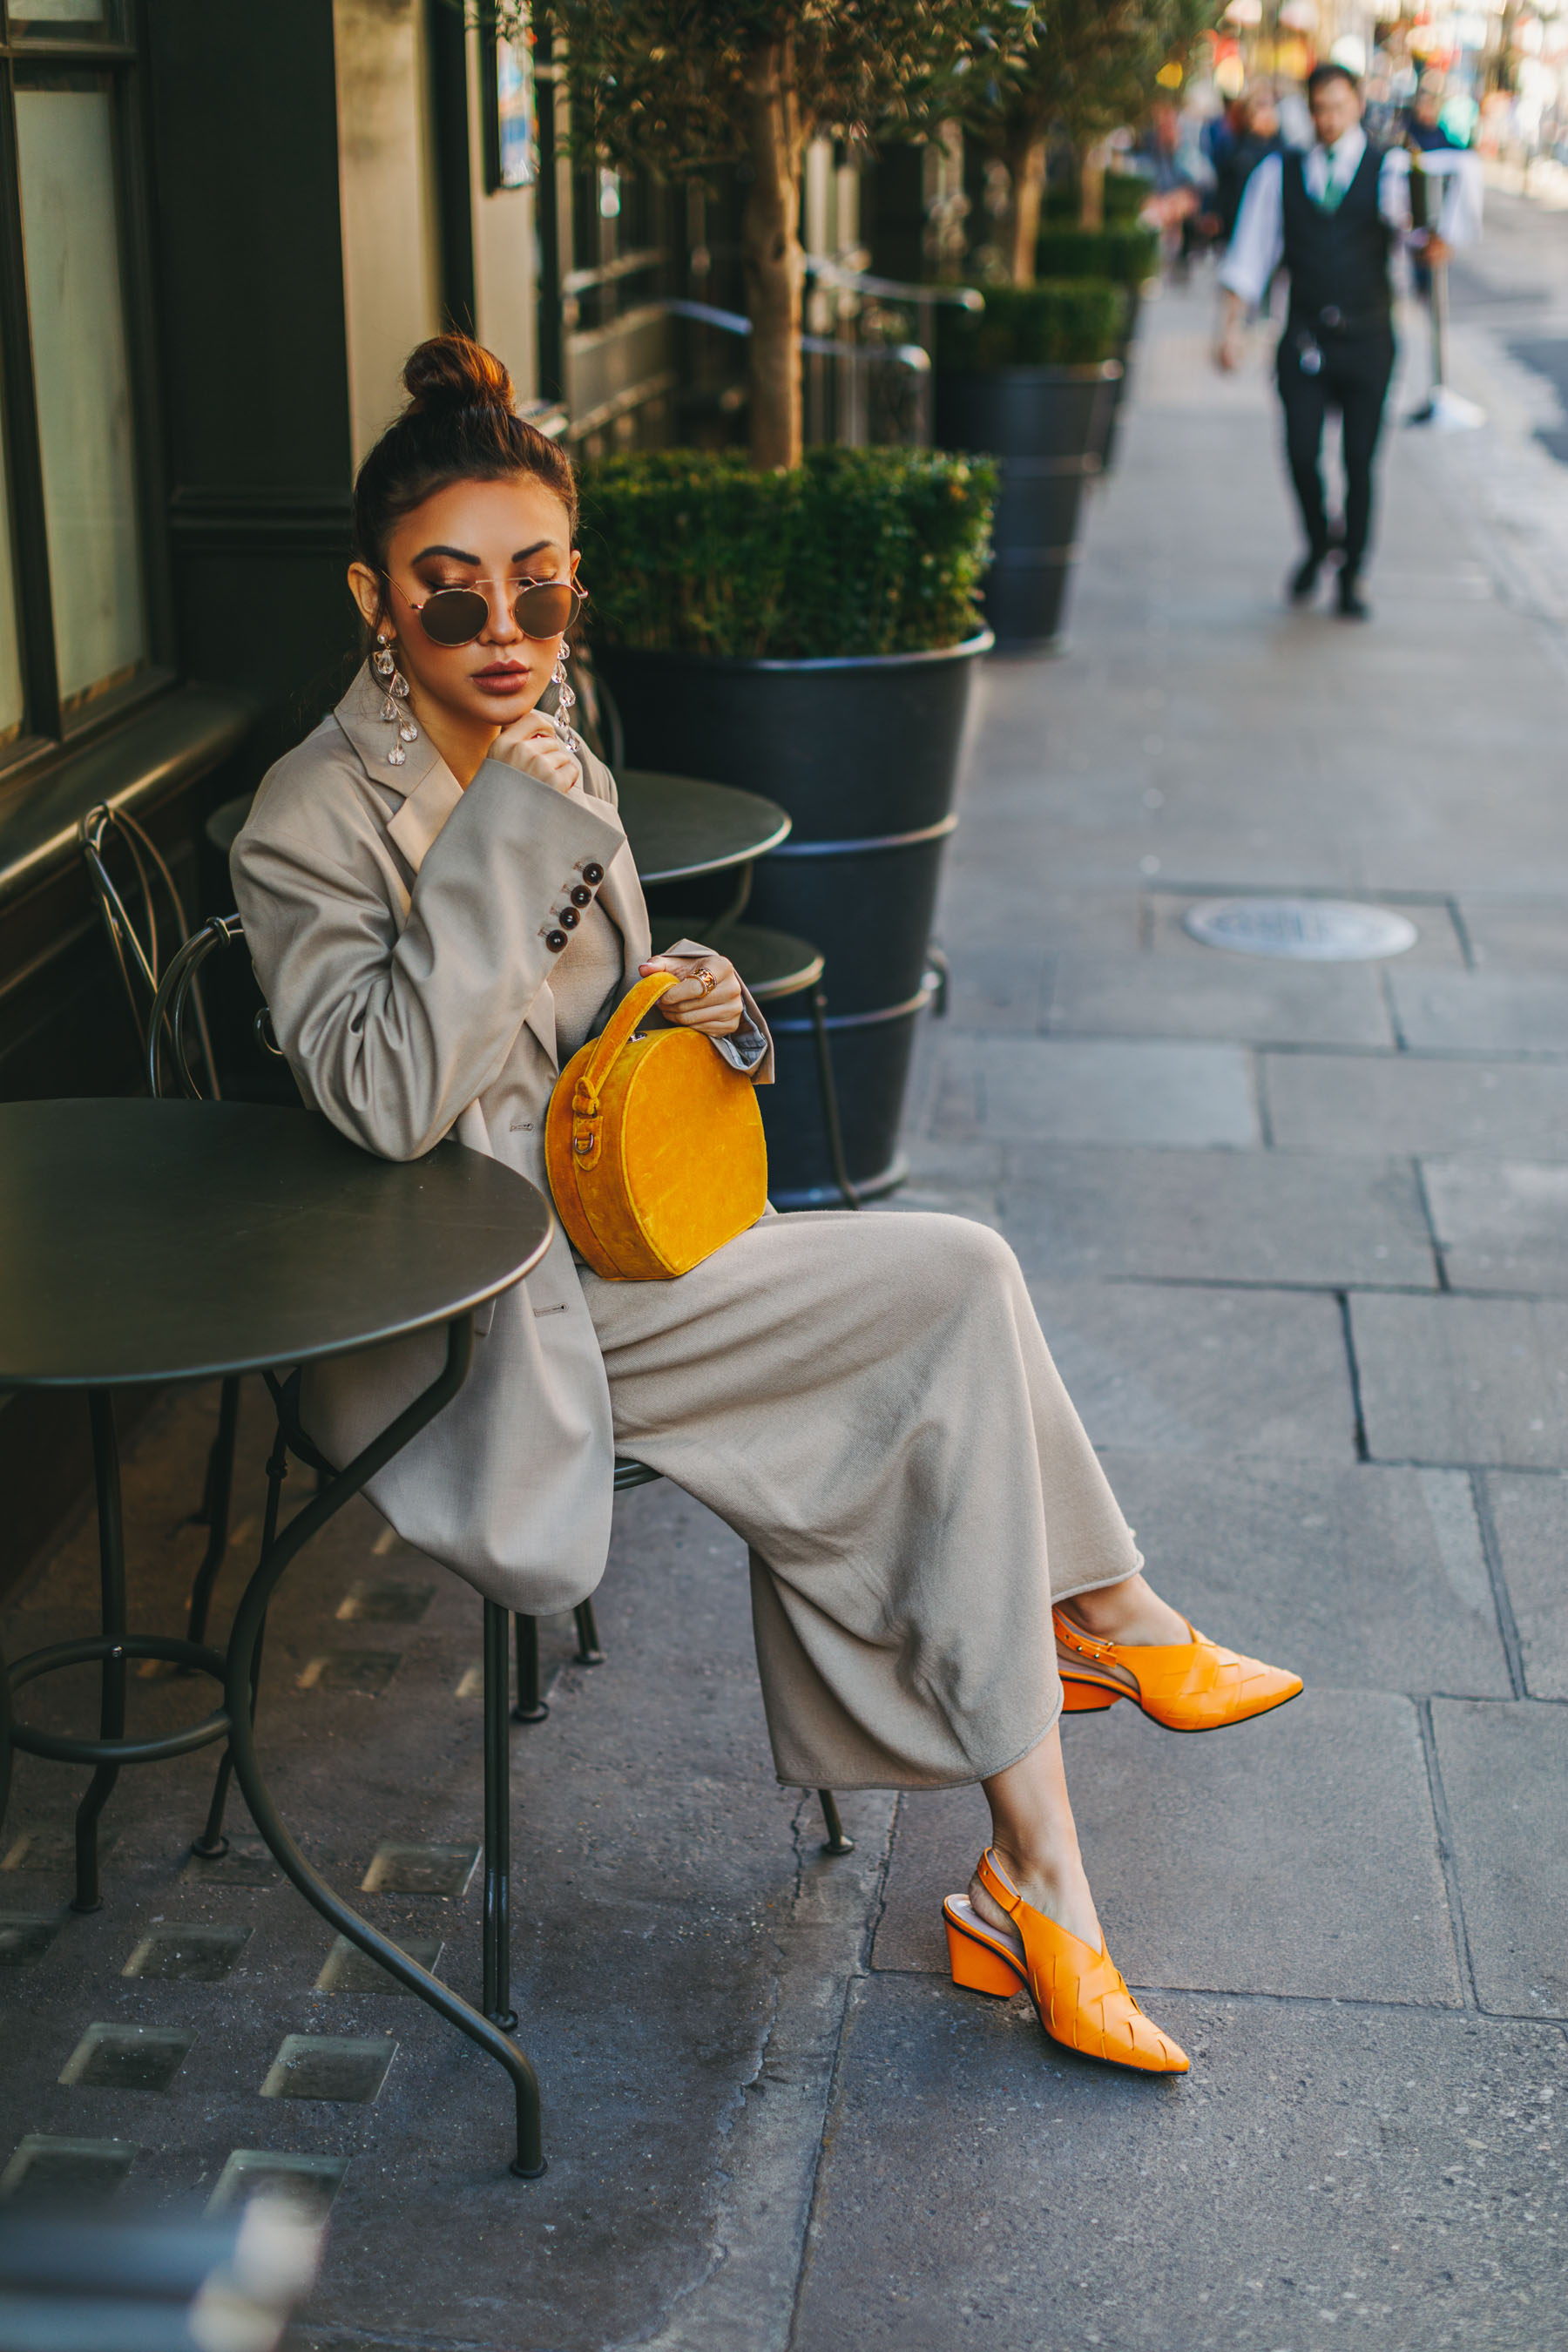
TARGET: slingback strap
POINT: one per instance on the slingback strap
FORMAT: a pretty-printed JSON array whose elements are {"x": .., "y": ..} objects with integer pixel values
[
  {"x": 616, "y": 1032},
  {"x": 997, "y": 1884}
]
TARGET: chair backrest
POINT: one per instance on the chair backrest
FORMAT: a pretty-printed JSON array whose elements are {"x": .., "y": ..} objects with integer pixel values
[
  {"x": 174, "y": 999},
  {"x": 136, "y": 938}
]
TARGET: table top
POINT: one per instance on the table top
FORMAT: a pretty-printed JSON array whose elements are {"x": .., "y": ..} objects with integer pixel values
[
  {"x": 679, "y": 826},
  {"x": 159, "y": 1240}
]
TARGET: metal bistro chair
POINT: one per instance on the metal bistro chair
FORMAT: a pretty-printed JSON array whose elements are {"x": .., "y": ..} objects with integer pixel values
[
  {"x": 138, "y": 955},
  {"x": 170, "y": 1009}
]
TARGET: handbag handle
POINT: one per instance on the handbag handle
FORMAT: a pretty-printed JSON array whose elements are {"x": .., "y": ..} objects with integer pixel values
[{"x": 615, "y": 1033}]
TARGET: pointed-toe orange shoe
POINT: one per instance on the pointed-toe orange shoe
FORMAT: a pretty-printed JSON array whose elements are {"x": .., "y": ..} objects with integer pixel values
[
  {"x": 1079, "y": 1993},
  {"x": 1187, "y": 1686}
]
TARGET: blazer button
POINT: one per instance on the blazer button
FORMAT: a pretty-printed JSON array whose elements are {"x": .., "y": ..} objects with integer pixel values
[
  {"x": 569, "y": 918},
  {"x": 581, "y": 897},
  {"x": 555, "y": 941},
  {"x": 594, "y": 874}
]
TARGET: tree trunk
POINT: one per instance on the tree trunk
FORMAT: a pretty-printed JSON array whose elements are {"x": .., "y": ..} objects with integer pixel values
[
  {"x": 774, "y": 264},
  {"x": 1091, "y": 187},
  {"x": 1026, "y": 166}
]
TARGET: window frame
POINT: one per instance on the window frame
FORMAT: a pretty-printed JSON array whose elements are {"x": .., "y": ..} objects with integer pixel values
[{"x": 112, "y": 55}]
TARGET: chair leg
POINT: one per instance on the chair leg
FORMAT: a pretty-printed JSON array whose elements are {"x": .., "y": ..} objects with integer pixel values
[
  {"x": 497, "y": 2003},
  {"x": 215, "y": 1501},
  {"x": 588, "y": 1651},
  {"x": 212, "y": 1844},
  {"x": 529, "y": 1708},
  {"x": 837, "y": 1842},
  {"x": 111, "y": 1672},
  {"x": 828, "y": 1092}
]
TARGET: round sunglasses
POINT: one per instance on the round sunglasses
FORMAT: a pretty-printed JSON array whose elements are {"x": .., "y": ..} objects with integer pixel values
[{"x": 456, "y": 616}]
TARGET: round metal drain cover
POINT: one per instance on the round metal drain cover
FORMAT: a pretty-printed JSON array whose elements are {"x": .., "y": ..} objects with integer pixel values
[{"x": 1310, "y": 930}]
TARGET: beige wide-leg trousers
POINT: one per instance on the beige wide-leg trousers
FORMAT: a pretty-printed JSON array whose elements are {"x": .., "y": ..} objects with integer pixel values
[{"x": 867, "y": 1401}]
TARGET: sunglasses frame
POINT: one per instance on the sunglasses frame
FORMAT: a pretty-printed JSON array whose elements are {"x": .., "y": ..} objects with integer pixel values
[{"x": 455, "y": 644}]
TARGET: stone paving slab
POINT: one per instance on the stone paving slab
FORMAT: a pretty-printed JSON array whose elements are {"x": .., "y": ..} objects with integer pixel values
[
  {"x": 1225, "y": 1216},
  {"x": 1367, "y": 1579},
  {"x": 1480, "y": 1380},
  {"x": 1184, "y": 1371},
  {"x": 1254, "y": 1000},
  {"x": 1481, "y": 1012},
  {"x": 1532, "y": 933},
  {"x": 1323, "y": 1102},
  {"x": 1530, "y": 1516},
  {"x": 1386, "y": 2178},
  {"x": 1116, "y": 1092},
  {"x": 1246, "y": 1860},
  {"x": 1501, "y": 1225},
  {"x": 1512, "y": 1869}
]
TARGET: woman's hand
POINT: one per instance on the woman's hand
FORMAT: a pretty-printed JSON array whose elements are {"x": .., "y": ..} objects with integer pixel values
[
  {"x": 717, "y": 1010},
  {"x": 532, "y": 744}
]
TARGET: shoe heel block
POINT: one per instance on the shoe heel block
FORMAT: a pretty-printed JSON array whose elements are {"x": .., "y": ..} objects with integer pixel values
[
  {"x": 1083, "y": 1699},
  {"x": 976, "y": 1967}
]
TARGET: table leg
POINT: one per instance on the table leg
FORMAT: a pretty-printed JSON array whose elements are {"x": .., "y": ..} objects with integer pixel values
[
  {"x": 111, "y": 1683},
  {"x": 307, "y": 1522},
  {"x": 213, "y": 1842},
  {"x": 497, "y": 1824}
]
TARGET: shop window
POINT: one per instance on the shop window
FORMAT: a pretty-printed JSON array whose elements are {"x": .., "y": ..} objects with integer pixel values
[
  {"x": 77, "y": 627},
  {"x": 65, "y": 146}
]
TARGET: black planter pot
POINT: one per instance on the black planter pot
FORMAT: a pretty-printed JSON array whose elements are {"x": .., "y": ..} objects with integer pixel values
[
  {"x": 1118, "y": 389},
  {"x": 1046, "y": 427},
  {"x": 864, "y": 752}
]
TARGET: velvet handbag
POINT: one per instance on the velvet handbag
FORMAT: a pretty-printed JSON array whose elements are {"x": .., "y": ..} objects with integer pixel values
[{"x": 653, "y": 1145}]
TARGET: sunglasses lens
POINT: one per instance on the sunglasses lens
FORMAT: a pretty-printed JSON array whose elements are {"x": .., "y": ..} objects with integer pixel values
[
  {"x": 543, "y": 609},
  {"x": 454, "y": 616}
]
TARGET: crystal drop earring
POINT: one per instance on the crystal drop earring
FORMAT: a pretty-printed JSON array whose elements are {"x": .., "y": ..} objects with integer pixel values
[
  {"x": 395, "y": 690},
  {"x": 565, "y": 699}
]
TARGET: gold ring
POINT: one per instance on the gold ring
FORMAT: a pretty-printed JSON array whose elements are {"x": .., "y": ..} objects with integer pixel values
[{"x": 707, "y": 979}]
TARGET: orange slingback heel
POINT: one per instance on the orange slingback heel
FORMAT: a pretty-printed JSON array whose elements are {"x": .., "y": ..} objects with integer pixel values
[
  {"x": 1192, "y": 1686},
  {"x": 1079, "y": 1995}
]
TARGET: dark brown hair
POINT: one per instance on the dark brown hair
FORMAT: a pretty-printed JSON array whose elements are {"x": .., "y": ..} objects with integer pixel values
[{"x": 459, "y": 426}]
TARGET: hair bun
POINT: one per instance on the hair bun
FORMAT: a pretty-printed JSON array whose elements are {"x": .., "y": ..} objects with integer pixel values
[{"x": 454, "y": 372}]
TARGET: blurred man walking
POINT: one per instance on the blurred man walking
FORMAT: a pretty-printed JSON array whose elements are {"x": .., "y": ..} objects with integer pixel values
[{"x": 1331, "y": 217}]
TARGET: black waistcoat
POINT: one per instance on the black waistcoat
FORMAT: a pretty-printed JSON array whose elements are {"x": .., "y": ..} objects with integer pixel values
[{"x": 1338, "y": 261}]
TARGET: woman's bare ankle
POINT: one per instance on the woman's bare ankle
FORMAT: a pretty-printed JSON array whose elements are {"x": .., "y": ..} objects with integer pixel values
[
  {"x": 1131, "y": 1612},
  {"x": 1056, "y": 1886}
]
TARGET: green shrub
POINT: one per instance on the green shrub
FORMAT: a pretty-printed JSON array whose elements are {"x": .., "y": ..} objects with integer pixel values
[
  {"x": 855, "y": 551},
  {"x": 1059, "y": 322},
  {"x": 1126, "y": 193},
  {"x": 1128, "y": 255}
]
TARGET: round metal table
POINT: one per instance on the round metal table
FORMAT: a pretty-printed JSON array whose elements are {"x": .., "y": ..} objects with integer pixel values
[{"x": 174, "y": 1241}]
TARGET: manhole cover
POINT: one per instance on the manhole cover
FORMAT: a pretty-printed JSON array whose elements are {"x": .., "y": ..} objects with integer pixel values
[{"x": 1311, "y": 930}]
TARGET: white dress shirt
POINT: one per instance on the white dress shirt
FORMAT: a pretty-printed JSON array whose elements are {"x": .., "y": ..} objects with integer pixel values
[{"x": 1259, "y": 246}]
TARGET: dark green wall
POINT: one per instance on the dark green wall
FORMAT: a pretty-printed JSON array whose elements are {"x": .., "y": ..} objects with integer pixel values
[{"x": 253, "y": 348}]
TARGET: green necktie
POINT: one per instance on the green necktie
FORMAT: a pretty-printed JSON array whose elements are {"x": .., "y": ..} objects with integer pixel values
[{"x": 1334, "y": 190}]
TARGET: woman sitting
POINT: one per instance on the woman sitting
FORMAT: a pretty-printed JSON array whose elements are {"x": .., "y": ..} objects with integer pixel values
[{"x": 442, "y": 910}]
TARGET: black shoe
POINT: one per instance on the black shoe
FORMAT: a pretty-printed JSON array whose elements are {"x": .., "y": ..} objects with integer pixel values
[
  {"x": 1304, "y": 579},
  {"x": 1353, "y": 604}
]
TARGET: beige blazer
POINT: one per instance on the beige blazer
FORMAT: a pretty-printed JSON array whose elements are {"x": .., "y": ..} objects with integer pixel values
[{"x": 397, "y": 925}]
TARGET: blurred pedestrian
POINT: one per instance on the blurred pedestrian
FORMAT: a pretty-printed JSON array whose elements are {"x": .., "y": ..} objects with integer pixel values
[
  {"x": 1331, "y": 217},
  {"x": 1255, "y": 134}
]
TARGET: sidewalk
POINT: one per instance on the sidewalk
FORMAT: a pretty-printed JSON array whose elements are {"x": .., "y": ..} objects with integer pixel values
[{"x": 1297, "y": 1234}]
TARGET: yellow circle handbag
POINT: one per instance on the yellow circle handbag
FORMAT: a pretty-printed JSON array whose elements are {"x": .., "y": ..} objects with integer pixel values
[{"x": 654, "y": 1146}]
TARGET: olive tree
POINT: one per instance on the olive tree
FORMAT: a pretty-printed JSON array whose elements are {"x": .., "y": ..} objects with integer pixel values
[
  {"x": 1090, "y": 68},
  {"x": 680, "y": 87}
]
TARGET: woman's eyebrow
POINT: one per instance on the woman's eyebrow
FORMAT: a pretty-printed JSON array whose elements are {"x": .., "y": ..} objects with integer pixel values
[
  {"x": 537, "y": 548},
  {"x": 458, "y": 554}
]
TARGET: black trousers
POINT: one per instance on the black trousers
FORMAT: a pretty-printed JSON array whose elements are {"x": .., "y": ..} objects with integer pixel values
[{"x": 1352, "y": 376}]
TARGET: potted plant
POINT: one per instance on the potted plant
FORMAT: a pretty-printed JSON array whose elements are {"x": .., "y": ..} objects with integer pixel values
[
  {"x": 1029, "y": 379},
  {"x": 810, "y": 633},
  {"x": 1125, "y": 253}
]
